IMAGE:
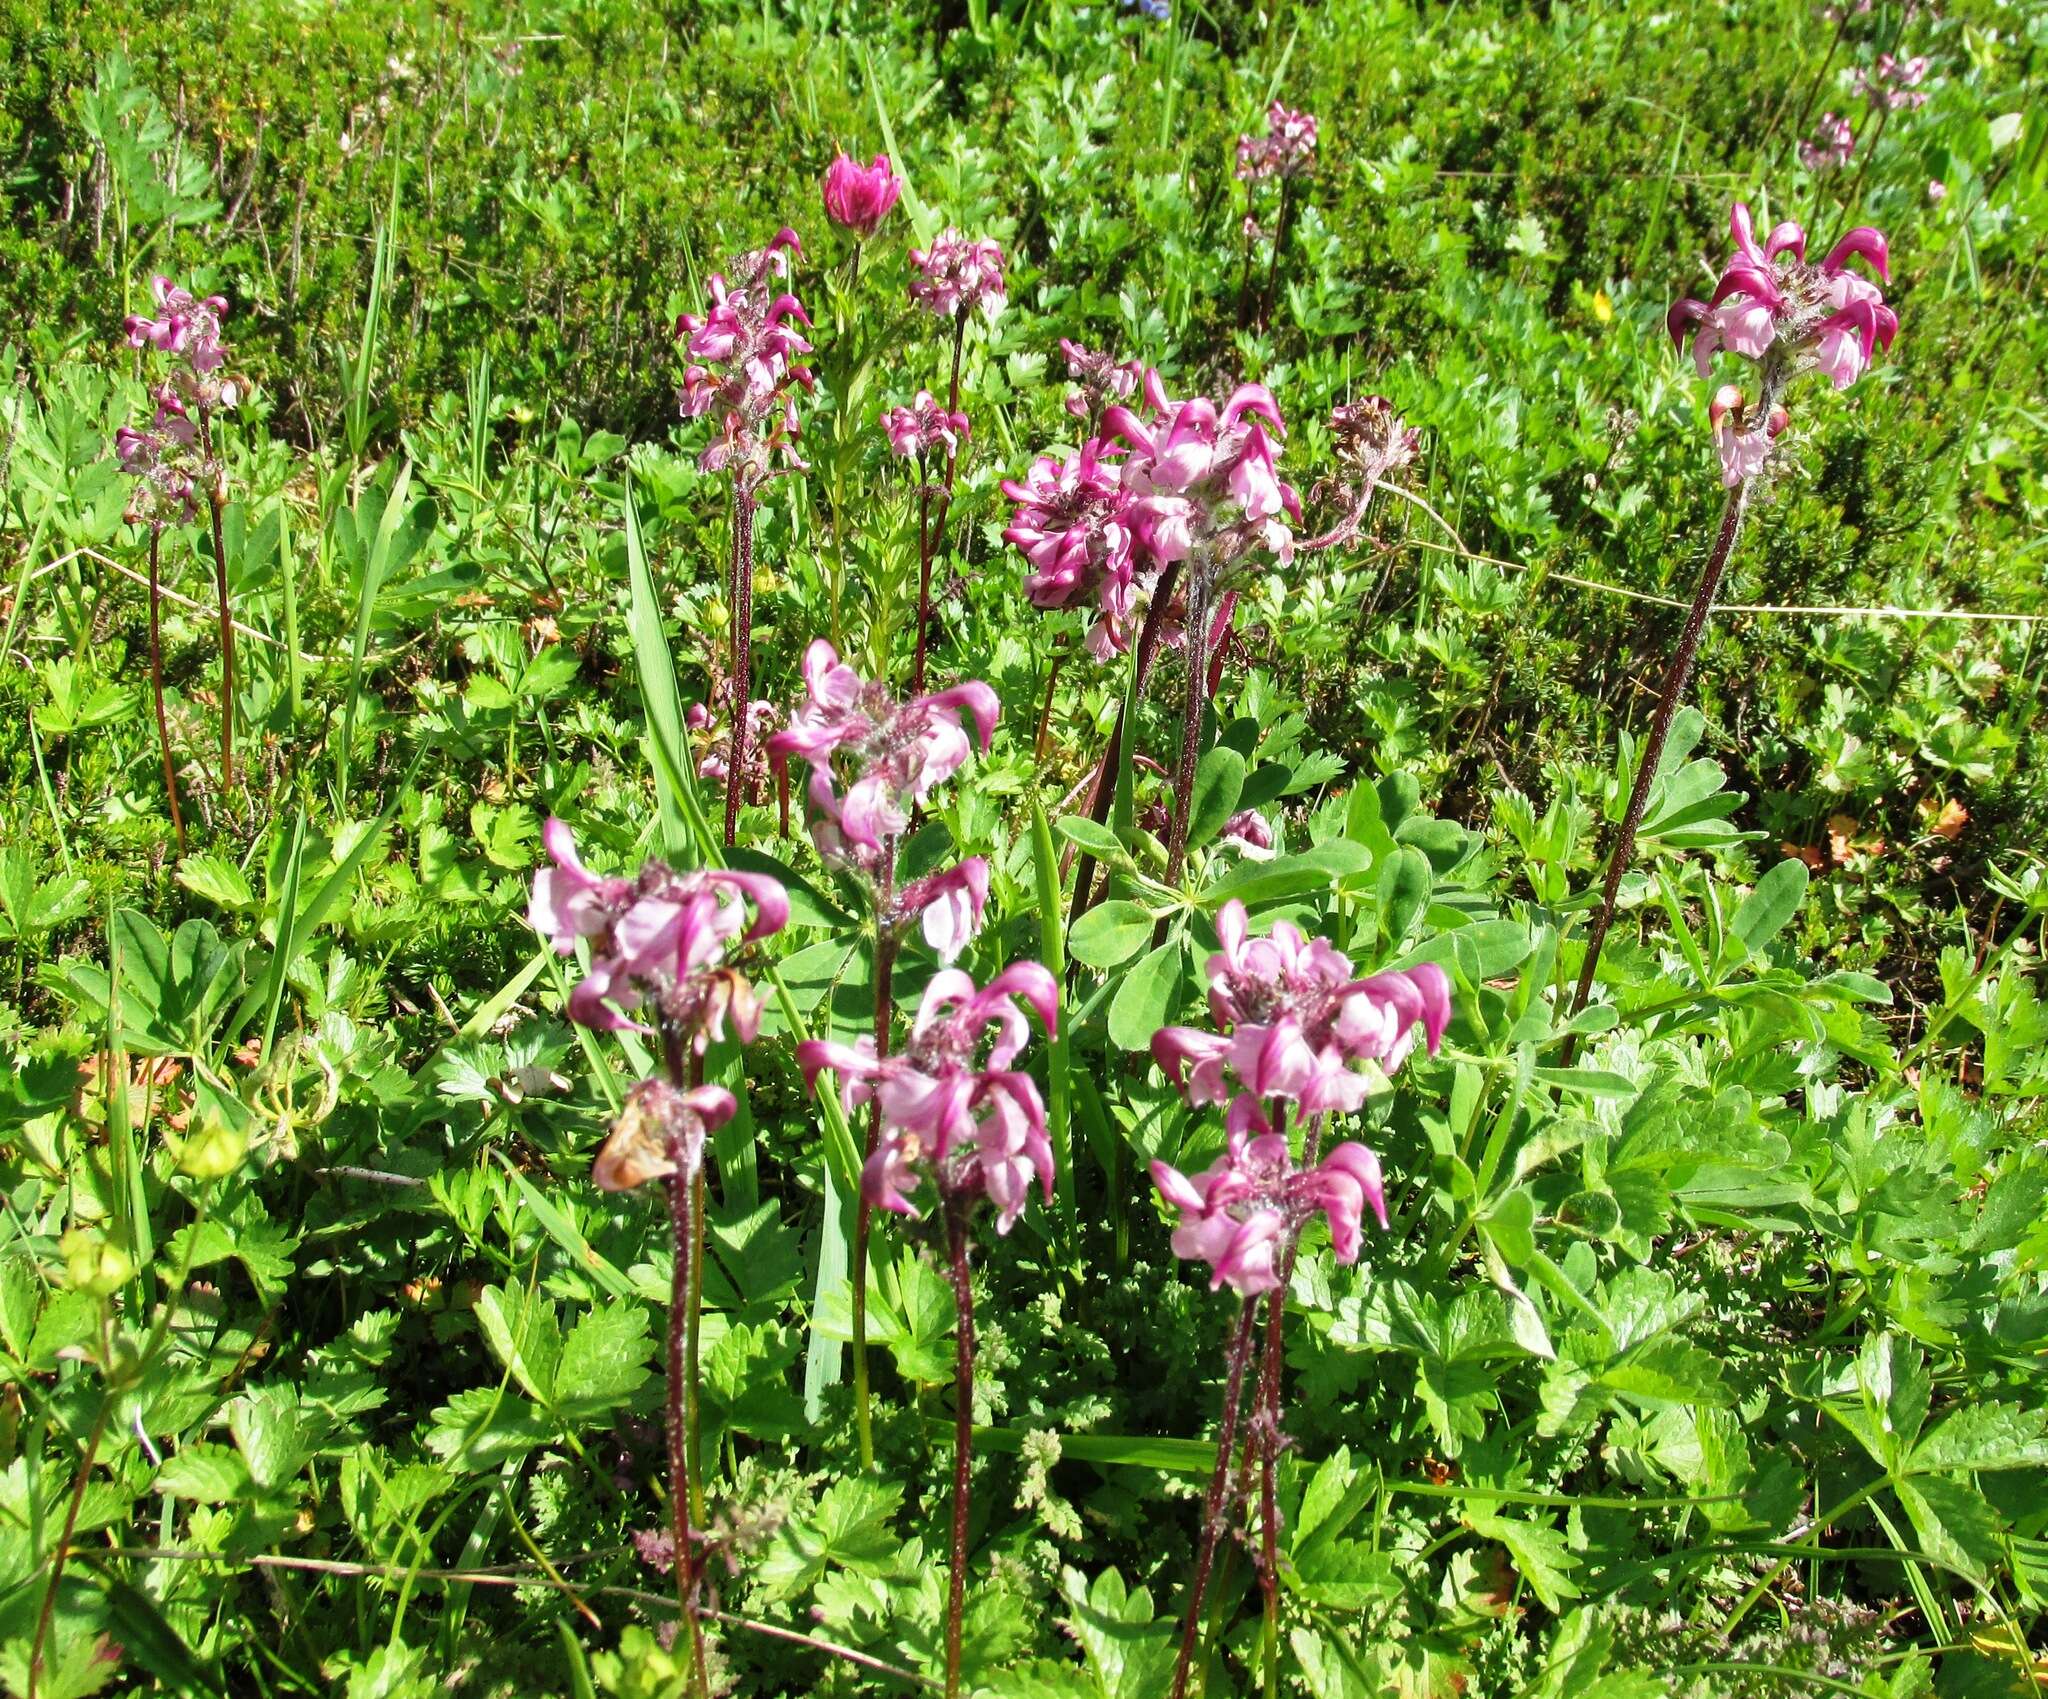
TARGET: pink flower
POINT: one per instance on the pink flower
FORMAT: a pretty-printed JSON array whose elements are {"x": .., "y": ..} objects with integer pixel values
[
  {"x": 1771, "y": 304},
  {"x": 187, "y": 327},
  {"x": 659, "y": 939},
  {"x": 741, "y": 362},
  {"x": 1893, "y": 83},
  {"x": 953, "y": 1107},
  {"x": 1832, "y": 144},
  {"x": 660, "y": 1131},
  {"x": 716, "y": 742},
  {"x": 949, "y": 904},
  {"x": 1243, "y": 1213},
  {"x": 1292, "y": 1020},
  {"x": 1742, "y": 452},
  {"x": 1287, "y": 149},
  {"x": 955, "y": 274},
  {"x": 1102, "y": 377},
  {"x": 892, "y": 755},
  {"x": 1937, "y": 191},
  {"x": 1200, "y": 481},
  {"x": 1070, "y": 527},
  {"x": 1248, "y": 832},
  {"x": 924, "y": 427},
  {"x": 858, "y": 197}
]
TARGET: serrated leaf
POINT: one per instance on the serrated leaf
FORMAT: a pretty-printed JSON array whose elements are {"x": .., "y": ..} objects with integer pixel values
[
  {"x": 604, "y": 1360},
  {"x": 206, "y": 1473},
  {"x": 1983, "y": 1436}
]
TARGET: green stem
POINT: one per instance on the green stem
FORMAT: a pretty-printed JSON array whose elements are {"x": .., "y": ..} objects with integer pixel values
[{"x": 963, "y": 1430}]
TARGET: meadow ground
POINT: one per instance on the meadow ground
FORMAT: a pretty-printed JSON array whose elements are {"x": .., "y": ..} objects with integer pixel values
[{"x": 1325, "y": 722}]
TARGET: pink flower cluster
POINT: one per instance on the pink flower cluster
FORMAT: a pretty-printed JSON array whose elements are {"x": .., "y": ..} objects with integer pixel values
[
  {"x": 924, "y": 427},
  {"x": 1369, "y": 439},
  {"x": 659, "y": 939},
  {"x": 858, "y": 197},
  {"x": 1287, "y": 149},
  {"x": 953, "y": 1106},
  {"x": 956, "y": 274},
  {"x": 716, "y": 741},
  {"x": 187, "y": 327},
  {"x": 167, "y": 458},
  {"x": 1245, "y": 1211},
  {"x": 1103, "y": 379},
  {"x": 1832, "y": 144},
  {"x": 740, "y": 361},
  {"x": 1292, "y": 1020},
  {"x": 897, "y": 753},
  {"x": 1771, "y": 304},
  {"x": 1743, "y": 443},
  {"x": 1893, "y": 83},
  {"x": 660, "y": 1131},
  {"x": 1159, "y": 483}
]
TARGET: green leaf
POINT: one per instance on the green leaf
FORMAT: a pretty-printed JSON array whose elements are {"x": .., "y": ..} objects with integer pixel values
[
  {"x": 218, "y": 880},
  {"x": 1771, "y": 903},
  {"x": 1956, "y": 1524},
  {"x": 524, "y": 1336},
  {"x": 1405, "y": 882},
  {"x": 1146, "y": 999},
  {"x": 1094, "y": 837},
  {"x": 485, "y": 1426},
  {"x": 1219, "y": 781},
  {"x": 1110, "y": 933},
  {"x": 603, "y": 1361},
  {"x": 1983, "y": 1436},
  {"x": 1539, "y": 1551},
  {"x": 206, "y": 1473}
]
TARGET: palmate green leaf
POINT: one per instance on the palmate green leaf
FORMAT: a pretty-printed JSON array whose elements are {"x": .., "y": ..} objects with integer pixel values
[
  {"x": 603, "y": 1361},
  {"x": 1955, "y": 1522},
  {"x": 1219, "y": 781},
  {"x": 1539, "y": 1551},
  {"x": 1130, "y": 1653},
  {"x": 1983, "y": 1436},
  {"x": 483, "y": 1427},
  {"x": 207, "y": 1473},
  {"x": 524, "y": 1336},
  {"x": 849, "y": 1527}
]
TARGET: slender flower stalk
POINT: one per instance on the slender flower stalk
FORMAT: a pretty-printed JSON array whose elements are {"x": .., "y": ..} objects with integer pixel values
[
  {"x": 741, "y": 368},
  {"x": 1788, "y": 317},
  {"x": 889, "y": 757},
  {"x": 1296, "y": 1023},
  {"x": 952, "y": 278},
  {"x": 1215, "y": 1504},
  {"x": 156, "y": 683},
  {"x": 958, "y": 1116},
  {"x": 176, "y": 458},
  {"x": 659, "y": 943}
]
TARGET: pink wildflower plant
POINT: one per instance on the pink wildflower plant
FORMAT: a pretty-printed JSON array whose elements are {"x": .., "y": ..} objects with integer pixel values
[
  {"x": 1292, "y": 1020},
  {"x": 1830, "y": 148},
  {"x": 858, "y": 197},
  {"x": 924, "y": 427},
  {"x": 1893, "y": 83},
  {"x": 1071, "y": 525},
  {"x": 958, "y": 274},
  {"x": 873, "y": 759},
  {"x": 741, "y": 356},
  {"x": 1771, "y": 306},
  {"x": 1287, "y": 149},
  {"x": 714, "y": 742},
  {"x": 1743, "y": 443},
  {"x": 1243, "y": 1213},
  {"x": 660, "y": 1131},
  {"x": 954, "y": 1108},
  {"x": 660, "y": 940}
]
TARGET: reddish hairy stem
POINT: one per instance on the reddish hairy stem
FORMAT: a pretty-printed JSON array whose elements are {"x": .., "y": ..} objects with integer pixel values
[
  {"x": 1280, "y": 234},
  {"x": 863, "y": 1217},
  {"x": 1104, "y": 792},
  {"x": 684, "y": 1194},
  {"x": 1676, "y": 677},
  {"x": 742, "y": 655},
  {"x": 1196, "y": 642},
  {"x": 1215, "y": 1512},
  {"x": 156, "y": 684},
  {"x": 963, "y": 1430},
  {"x": 215, "y": 500},
  {"x": 932, "y": 536}
]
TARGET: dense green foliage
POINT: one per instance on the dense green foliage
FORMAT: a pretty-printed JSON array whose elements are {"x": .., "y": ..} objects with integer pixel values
[{"x": 1709, "y": 1360}]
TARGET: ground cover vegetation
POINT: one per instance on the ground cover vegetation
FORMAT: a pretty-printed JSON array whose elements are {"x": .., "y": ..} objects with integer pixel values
[{"x": 1031, "y": 849}]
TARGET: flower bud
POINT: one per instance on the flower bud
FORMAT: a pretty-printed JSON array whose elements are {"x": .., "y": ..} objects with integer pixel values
[
  {"x": 94, "y": 1265},
  {"x": 213, "y": 1152}
]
